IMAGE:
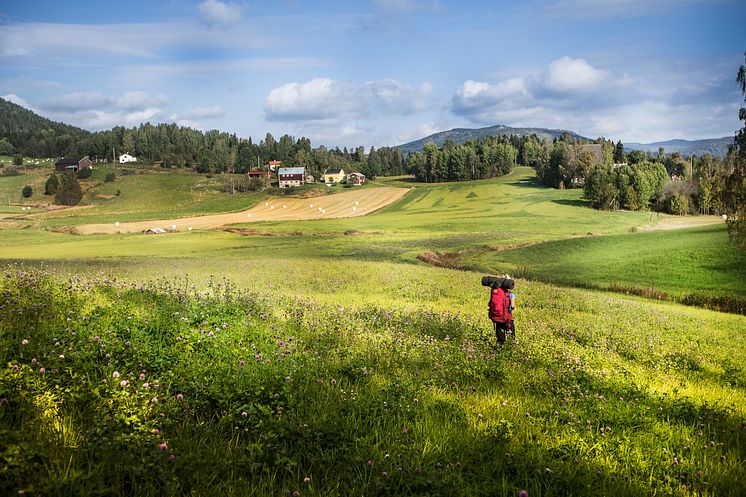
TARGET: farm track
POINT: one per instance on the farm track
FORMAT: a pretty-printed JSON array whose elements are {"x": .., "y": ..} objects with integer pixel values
[{"x": 348, "y": 204}]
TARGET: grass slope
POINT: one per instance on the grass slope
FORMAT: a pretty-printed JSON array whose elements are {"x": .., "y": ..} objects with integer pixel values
[
  {"x": 198, "y": 387},
  {"x": 680, "y": 262}
]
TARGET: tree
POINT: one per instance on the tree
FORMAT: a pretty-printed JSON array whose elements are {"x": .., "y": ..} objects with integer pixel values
[
  {"x": 619, "y": 153},
  {"x": 5, "y": 147},
  {"x": 50, "y": 187},
  {"x": 27, "y": 191},
  {"x": 18, "y": 160},
  {"x": 733, "y": 193},
  {"x": 69, "y": 191}
]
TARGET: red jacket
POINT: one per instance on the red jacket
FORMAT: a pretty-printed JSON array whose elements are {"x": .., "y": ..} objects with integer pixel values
[{"x": 499, "y": 305}]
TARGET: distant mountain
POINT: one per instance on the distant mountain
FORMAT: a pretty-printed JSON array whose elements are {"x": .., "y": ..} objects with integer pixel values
[
  {"x": 713, "y": 146},
  {"x": 463, "y": 135}
]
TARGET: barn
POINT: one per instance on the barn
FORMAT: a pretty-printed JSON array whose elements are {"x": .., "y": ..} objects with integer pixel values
[
  {"x": 73, "y": 164},
  {"x": 291, "y": 176}
]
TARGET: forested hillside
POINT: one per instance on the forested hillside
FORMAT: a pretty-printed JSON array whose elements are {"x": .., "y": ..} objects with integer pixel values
[{"x": 26, "y": 133}]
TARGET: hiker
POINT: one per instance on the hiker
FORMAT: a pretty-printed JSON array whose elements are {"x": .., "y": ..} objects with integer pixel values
[
  {"x": 511, "y": 308},
  {"x": 499, "y": 308}
]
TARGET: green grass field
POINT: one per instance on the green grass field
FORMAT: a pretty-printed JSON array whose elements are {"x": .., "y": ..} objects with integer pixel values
[{"x": 323, "y": 358}]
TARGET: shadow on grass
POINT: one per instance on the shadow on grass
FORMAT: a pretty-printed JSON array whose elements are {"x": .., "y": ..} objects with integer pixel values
[{"x": 574, "y": 203}]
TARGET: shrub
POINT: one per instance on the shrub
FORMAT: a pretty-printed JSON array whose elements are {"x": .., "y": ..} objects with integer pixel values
[
  {"x": 17, "y": 160},
  {"x": 50, "y": 187},
  {"x": 84, "y": 173},
  {"x": 27, "y": 191},
  {"x": 69, "y": 191},
  {"x": 678, "y": 204},
  {"x": 110, "y": 177}
]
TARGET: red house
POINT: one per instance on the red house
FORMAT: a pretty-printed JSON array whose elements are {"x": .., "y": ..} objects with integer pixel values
[
  {"x": 73, "y": 164},
  {"x": 259, "y": 174}
]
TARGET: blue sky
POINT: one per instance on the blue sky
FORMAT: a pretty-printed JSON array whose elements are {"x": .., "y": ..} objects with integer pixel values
[{"x": 380, "y": 72}]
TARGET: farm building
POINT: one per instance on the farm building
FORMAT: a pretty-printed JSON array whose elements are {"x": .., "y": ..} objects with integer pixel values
[
  {"x": 259, "y": 174},
  {"x": 73, "y": 164},
  {"x": 124, "y": 158},
  {"x": 356, "y": 178},
  {"x": 291, "y": 176},
  {"x": 334, "y": 175}
]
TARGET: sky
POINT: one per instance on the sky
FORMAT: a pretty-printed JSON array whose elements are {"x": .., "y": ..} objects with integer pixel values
[{"x": 380, "y": 72}]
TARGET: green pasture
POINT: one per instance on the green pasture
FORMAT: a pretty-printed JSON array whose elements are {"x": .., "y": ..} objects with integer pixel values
[
  {"x": 678, "y": 262},
  {"x": 139, "y": 382}
]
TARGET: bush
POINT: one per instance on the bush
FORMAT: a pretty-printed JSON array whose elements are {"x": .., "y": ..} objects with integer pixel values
[
  {"x": 110, "y": 177},
  {"x": 69, "y": 191},
  {"x": 678, "y": 204},
  {"x": 84, "y": 173},
  {"x": 27, "y": 191},
  {"x": 50, "y": 187},
  {"x": 17, "y": 160}
]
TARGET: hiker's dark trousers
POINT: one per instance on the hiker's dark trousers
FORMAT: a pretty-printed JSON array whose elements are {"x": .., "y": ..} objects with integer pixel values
[{"x": 500, "y": 330}]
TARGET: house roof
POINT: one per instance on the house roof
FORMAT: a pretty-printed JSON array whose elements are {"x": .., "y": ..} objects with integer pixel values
[
  {"x": 360, "y": 175},
  {"x": 333, "y": 171},
  {"x": 291, "y": 170},
  {"x": 597, "y": 150},
  {"x": 69, "y": 160}
]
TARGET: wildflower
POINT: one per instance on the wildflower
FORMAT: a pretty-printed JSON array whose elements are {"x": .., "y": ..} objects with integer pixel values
[
  {"x": 179, "y": 396},
  {"x": 547, "y": 471},
  {"x": 154, "y": 400},
  {"x": 370, "y": 462},
  {"x": 522, "y": 493},
  {"x": 306, "y": 480},
  {"x": 241, "y": 362},
  {"x": 156, "y": 431},
  {"x": 123, "y": 383},
  {"x": 4, "y": 401},
  {"x": 15, "y": 367},
  {"x": 385, "y": 474},
  {"x": 42, "y": 370},
  {"x": 245, "y": 414},
  {"x": 171, "y": 457},
  {"x": 163, "y": 446},
  {"x": 142, "y": 376},
  {"x": 34, "y": 361},
  {"x": 115, "y": 374},
  {"x": 24, "y": 342},
  {"x": 676, "y": 460}
]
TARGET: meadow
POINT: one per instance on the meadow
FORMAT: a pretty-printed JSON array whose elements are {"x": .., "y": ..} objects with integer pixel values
[{"x": 324, "y": 358}]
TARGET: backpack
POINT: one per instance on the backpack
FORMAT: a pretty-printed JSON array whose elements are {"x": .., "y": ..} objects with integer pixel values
[{"x": 499, "y": 306}]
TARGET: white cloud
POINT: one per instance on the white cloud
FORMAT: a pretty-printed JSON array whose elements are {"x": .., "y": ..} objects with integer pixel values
[
  {"x": 13, "y": 98},
  {"x": 216, "y": 13},
  {"x": 138, "y": 99},
  {"x": 678, "y": 101},
  {"x": 326, "y": 101},
  {"x": 568, "y": 74},
  {"x": 76, "y": 102}
]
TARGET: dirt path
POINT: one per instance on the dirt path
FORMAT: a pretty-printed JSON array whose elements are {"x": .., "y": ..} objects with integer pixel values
[
  {"x": 352, "y": 203},
  {"x": 675, "y": 223}
]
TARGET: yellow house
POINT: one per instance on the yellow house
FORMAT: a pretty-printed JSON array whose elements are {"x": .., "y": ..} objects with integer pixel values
[{"x": 334, "y": 175}]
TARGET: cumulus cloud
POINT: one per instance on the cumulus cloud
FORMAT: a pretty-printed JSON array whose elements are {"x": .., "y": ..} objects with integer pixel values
[
  {"x": 323, "y": 100},
  {"x": 568, "y": 74},
  {"x": 572, "y": 93},
  {"x": 216, "y": 13}
]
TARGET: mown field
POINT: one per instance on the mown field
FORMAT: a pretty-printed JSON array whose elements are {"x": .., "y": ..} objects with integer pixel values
[{"x": 324, "y": 358}]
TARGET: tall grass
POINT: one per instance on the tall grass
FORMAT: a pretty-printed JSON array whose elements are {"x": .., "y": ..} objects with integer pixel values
[{"x": 176, "y": 387}]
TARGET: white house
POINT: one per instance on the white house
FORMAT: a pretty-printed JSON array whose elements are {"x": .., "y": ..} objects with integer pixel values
[{"x": 126, "y": 158}]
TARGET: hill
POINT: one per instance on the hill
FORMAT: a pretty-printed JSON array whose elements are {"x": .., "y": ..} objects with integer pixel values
[
  {"x": 35, "y": 136},
  {"x": 462, "y": 135},
  {"x": 712, "y": 146}
]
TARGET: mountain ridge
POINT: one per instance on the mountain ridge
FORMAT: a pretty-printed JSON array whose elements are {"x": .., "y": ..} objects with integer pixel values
[{"x": 712, "y": 146}]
